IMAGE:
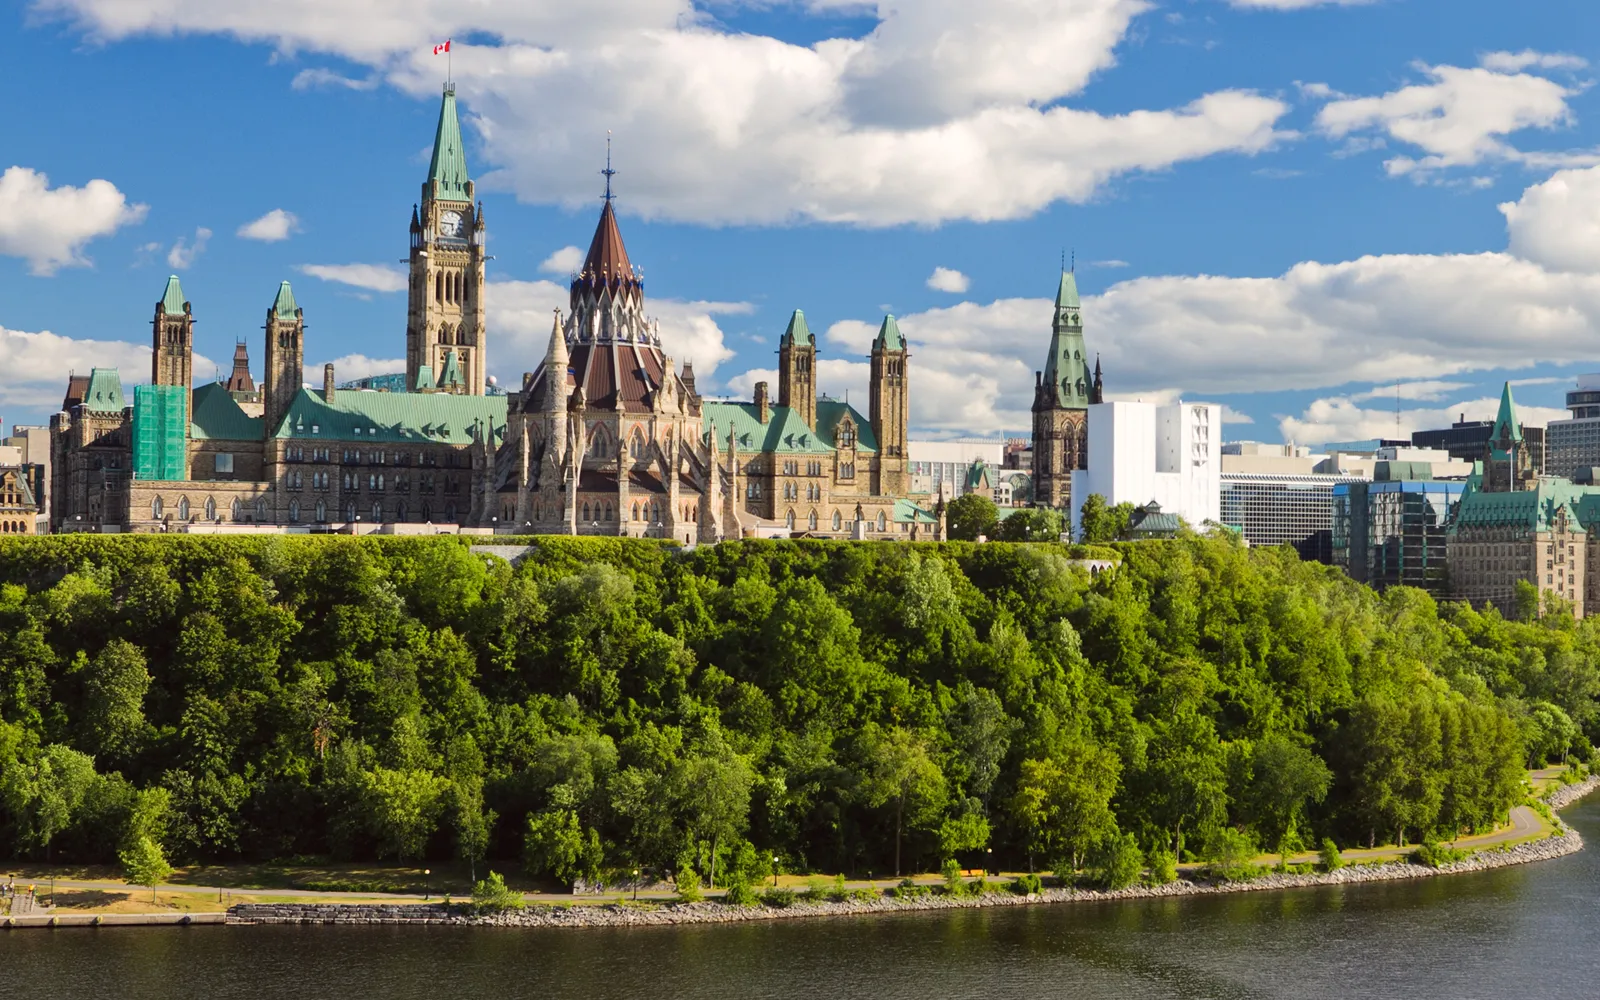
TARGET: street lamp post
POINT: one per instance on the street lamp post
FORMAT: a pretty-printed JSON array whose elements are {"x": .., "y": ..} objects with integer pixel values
[
  {"x": 989, "y": 863},
  {"x": 774, "y": 871},
  {"x": 636, "y": 885}
]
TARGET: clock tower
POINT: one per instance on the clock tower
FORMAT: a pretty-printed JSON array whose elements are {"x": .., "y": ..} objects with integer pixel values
[{"x": 445, "y": 337}]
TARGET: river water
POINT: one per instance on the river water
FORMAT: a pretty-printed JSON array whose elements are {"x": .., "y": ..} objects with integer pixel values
[{"x": 1524, "y": 932}]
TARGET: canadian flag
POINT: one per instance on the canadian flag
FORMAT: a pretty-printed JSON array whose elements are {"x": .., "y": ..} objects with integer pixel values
[{"x": 442, "y": 47}]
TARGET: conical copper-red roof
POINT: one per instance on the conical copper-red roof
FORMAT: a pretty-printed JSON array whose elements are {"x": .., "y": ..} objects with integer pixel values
[{"x": 608, "y": 258}]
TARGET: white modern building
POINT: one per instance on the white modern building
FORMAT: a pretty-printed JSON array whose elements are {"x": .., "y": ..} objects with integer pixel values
[
  {"x": 939, "y": 468},
  {"x": 1142, "y": 452}
]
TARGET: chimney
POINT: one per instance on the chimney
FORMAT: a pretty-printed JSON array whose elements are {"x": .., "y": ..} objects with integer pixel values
[
  {"x": 327, "y": 382},
  {"x": 761, "y": 402},
  {"x": 688, "y": 378}
]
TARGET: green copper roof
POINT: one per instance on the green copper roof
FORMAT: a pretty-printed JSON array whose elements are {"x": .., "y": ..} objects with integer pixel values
[
  {"x": 906, "y": 512},
  {"x": 284, "y": 305},
  {"x": 831, "y": 411},
  {"x": 978, "y": 476},
  {"x": 424, "y": 378},
  {"x": 798, "y": 332},
  {"x": 358, "y": 416},
  {"x": 447, "y": 173},
  {"x": 104, "y": 394},
  {"x": 172, "y": 299},
  {"x": 218, "y": 416},
  {"x": 1067, "y": 294},
  {"x": 784, "y": 432},
  {"x": 1066, "y": 370},
  {"x": 889, "y": 337},
  {"x": 451, "y": 376},
  {"x": 1506, "y": 427},
  {"x": 1534, "y": 509}
]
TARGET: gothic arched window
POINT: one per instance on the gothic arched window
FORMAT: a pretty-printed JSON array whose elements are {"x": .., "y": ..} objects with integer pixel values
[
  {"x": 636, "y": 511},
  {"x": 237, "y": 510},
  {"x": 837, "y": 521},
  {"x": 261, "y": 508},
  {"x": 183, "y": 508},
  {"x": 811, "y": 522},
  {"x": 155, "y": 509},
  {"x": 438, "y": 287},
  {"x": 586, "y": 516},
  {"x": 211, "y": 508},
  {"x": 350, "y": 510},
  {"x": 790, "y": 520},
  {"x": 377, "y": 512},
  {"x": 882, "y": 522},
  {"x": 294, "y": 512}
]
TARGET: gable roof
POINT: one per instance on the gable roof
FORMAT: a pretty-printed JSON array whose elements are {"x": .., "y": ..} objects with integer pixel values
[
  {"x": 218, "y": 417},
  {"x": 392, "y": 417},
  {"x": 831, "y": 411}
]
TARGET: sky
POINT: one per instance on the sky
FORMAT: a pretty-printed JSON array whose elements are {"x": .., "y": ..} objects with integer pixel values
[{"x": 1340, "y": 219}]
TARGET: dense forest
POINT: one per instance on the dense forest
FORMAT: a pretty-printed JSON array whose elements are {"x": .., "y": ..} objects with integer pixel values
[{"x": 610, "y": 704}]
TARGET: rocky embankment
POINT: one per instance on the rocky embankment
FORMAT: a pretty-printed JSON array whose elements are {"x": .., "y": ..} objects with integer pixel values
[{"x": 1566, "y": 795}]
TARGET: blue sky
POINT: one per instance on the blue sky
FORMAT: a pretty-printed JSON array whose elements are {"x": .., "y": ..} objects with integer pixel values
[{"x": 1281, "y": 205}]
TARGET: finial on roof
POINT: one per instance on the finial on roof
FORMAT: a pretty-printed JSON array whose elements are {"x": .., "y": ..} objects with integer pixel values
[{"x": 608, "y": 172}]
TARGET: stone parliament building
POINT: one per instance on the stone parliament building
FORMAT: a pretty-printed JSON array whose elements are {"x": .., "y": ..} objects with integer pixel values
[{"x": 608, "y": 436}]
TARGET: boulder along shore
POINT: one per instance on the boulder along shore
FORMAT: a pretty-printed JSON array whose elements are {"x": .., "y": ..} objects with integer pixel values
[{"x": 1565, "y": 841}]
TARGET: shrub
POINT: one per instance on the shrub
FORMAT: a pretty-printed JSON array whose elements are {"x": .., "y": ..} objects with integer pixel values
[
  {"x": 978, "y": 886},
  {"x": 1117, "y": 861},
  {"x": 492, "y": 895},
  {"x": 817, "y": 889},
  {"x": 1233, "y": 857},
  {"x": 953, "y": 884},
  {"x": 860, "y": 895},
  {"x": 1329, "y": 856},
  {"x": 778, "y": 898},
  {"x": 1433, "y": 854},
  {"x": 739, "y": 893},
  {"x": 839, "y": 891},
  {"x": 907, "y": 889},
  {"x": 1026, "y": 885},
  {"x": 1163, "y": 865},
  {"x": 688, "y": 885}
]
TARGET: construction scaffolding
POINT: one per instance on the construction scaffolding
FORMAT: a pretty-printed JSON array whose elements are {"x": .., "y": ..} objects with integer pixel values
[{"x": 160, "y": 432}]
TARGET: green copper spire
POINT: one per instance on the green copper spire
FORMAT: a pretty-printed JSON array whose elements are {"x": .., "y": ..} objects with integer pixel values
[
  {"x": 284, "y": 306},
  {"x": 172, "y": 299},
  {"x": 451, "y": 376},
  {"x": 1066, "y": 371},
  {"x": 447, "y": 174},
  {"x": 1506, "y": 427},
  {"x": 424, "y": 379},
  {"x": 798, "y": 332},
  {"x": 889, "y": 337}
]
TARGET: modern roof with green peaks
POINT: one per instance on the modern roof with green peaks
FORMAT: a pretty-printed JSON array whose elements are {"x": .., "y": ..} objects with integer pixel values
[
  {"x": 889, "y": 337},
  {"x": 172, "y": 299},
  {"x": 447, "y": 173},
  {"x": 798, "y": 332},
  {"x": 1506, "y": 427},
  {"x": 284, "y": 305},
  {"x": 1067, "y": 294}
]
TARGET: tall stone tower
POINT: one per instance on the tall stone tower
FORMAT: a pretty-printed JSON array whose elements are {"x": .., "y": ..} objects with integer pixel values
[
  {"x": 286, "y": 351},
  {"x": 172, "y": 343},
  {"x": 446, "y": 343},
  {"x": 797, "y": 369},
  {"x": 1508, "y": 463},
  {"x": 1061, "y": 398},
  {"x": 891, "y": 409}
]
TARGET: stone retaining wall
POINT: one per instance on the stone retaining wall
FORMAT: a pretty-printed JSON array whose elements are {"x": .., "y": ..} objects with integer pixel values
[
  {"x": 623, "y": 915},
  {"x": 1566, "y": 795}
]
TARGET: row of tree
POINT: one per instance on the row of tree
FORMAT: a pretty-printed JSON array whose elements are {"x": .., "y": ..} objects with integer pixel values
[{"x": 860, "y": 707}]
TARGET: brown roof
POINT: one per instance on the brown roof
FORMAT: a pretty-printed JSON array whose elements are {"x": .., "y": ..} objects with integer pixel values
[
  {"x": 617, "y": 374},
  {"x": 77, "y": 386},
  {"x": 240, "y": 380},
  {"x": 608, "y": 258}
]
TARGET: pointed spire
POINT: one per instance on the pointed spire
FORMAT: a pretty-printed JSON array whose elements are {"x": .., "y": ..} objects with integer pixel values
[
  {"x": 1067, "y": 294},
  {"x": 889, "y": 337},
  {"x": 240, "y": 380},
  {"x": 451, "y": 378},
  {"x": 1506, "y": 427},
  {"x": 608, "y": 258},
  {"x": 798, "y": 332},
  {"x": 556, "y": 362},
  {"x": 447, "y": 173},
  {"x": 284, "y": 306},
  {"x": 172, "y": 300}
]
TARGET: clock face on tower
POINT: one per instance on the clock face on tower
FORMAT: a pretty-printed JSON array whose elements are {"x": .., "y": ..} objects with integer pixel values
[{"x": 450, "y": 225}]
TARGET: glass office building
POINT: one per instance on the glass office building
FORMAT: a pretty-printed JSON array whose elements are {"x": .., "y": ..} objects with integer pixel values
[
  {"x": 1271, "y": 509},
  {"x": 1389, "y": 534}
]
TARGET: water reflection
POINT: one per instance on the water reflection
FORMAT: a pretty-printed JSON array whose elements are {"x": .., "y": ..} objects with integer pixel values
[{"x": 1525, "y": 930}]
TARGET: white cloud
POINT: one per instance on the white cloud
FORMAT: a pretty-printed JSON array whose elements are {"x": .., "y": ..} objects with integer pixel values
[
  {"x": 520, "y": 313},
  {"x": 1232, "y": 416},
  {"x": 1427, "y": 390},
  {"x": 184, "y": 252},
  {"x": 1516, "y": 62},
  {"x": 37, "y": 366},
  {"x": 1338, "y": 418},
  {"x": 1459, "y": 118},
  {"x": 1109, "y": 263},
  {"x": 48, "y": 227},
  {"x": 1557, "y": 223},
  {"x": 354, "y": 366},
  {"x": 944, "y": 279},
  {"x": 946, "y": 110},
  {"x": 273, "y": 227},
  {"x": 308, "y": 79},
  {"x": 373, "y": 277},
  {"x": 565, "y": 261}
]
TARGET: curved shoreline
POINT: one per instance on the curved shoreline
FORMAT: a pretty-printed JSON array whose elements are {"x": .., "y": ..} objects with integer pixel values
[{"x": 1567, "y": 841}]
